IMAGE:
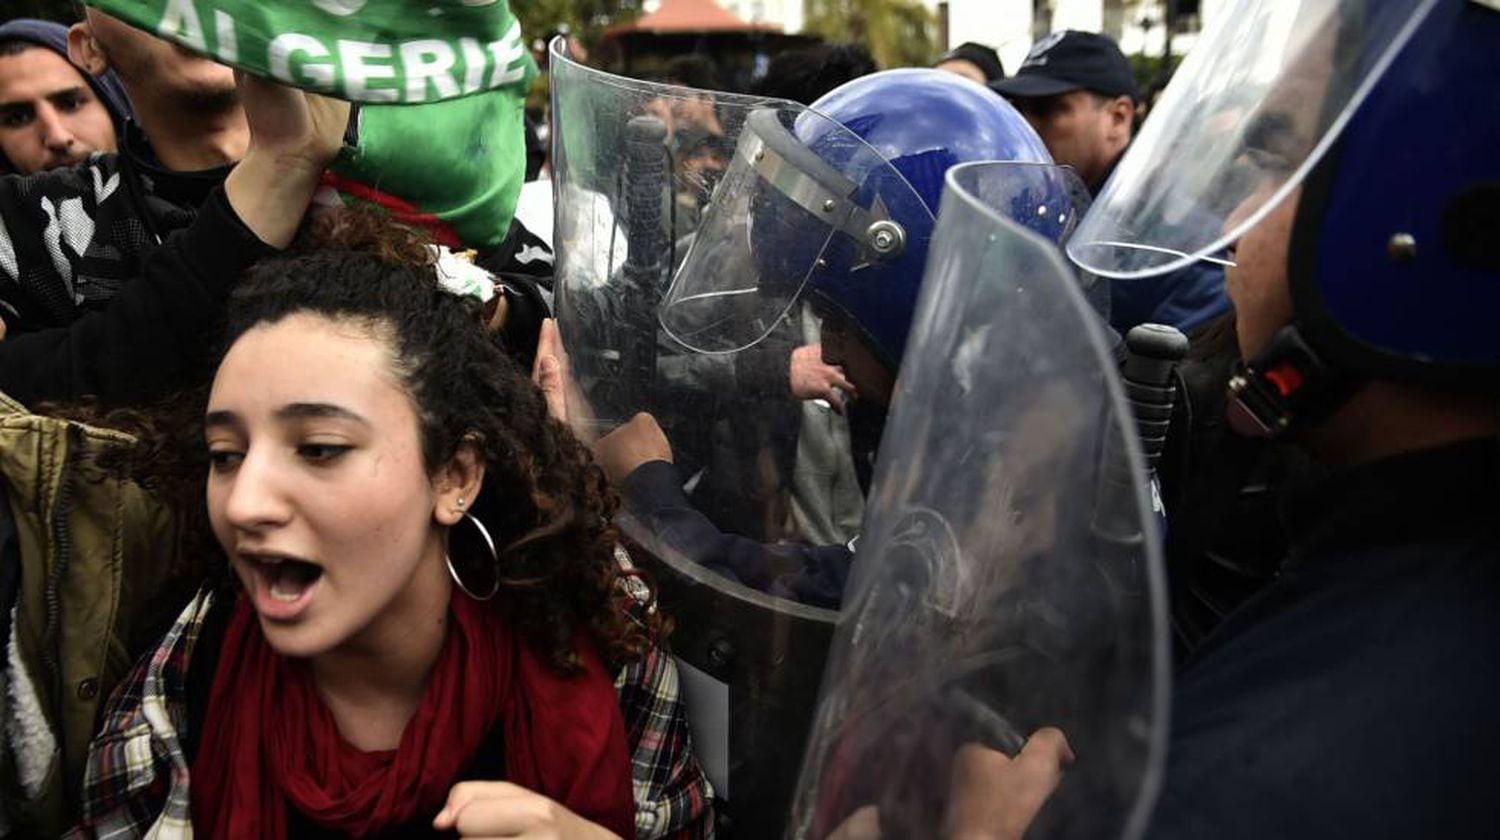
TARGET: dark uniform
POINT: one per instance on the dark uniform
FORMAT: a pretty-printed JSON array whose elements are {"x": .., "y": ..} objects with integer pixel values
[{"x": 1368, "y": 672}]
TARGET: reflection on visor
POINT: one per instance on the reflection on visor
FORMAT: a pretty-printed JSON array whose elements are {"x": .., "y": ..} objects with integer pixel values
[
  {"x": 1253, "y": 109},
  {"x": 1153, "y": 249}
]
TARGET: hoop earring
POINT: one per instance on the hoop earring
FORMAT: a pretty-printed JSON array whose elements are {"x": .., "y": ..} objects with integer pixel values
[{"x": 494, "y": 556}]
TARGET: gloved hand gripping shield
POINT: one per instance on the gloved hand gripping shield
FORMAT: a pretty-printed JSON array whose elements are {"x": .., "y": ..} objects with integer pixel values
[
  {"x": 1251, "y": 112},
  {"x": 1009, "y": 574}
]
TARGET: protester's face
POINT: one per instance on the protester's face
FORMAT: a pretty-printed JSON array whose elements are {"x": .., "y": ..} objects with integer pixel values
[
  {"x": 696, "y": 111},
  {"x": 963, "y": 67},
  {"x": 155, "y": 70},
  {"x": 49, "y": 116},
  {"x": 1079, "y": 130},
  {"x": 317, "y": 488}
]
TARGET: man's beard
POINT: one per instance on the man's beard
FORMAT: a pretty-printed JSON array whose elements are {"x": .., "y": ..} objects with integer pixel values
[
  {"x": 207, "y": 101},
  {"x": 142, "y": 79}
]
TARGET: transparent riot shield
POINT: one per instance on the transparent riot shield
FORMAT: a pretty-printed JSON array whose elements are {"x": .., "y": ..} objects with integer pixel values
[
  {"x": 686, "y": 225},
  {"x": 1009, "y": 573}
]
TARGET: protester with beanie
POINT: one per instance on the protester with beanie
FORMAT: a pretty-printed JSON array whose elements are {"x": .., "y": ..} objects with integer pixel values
[{"x": 52, "y": 113}]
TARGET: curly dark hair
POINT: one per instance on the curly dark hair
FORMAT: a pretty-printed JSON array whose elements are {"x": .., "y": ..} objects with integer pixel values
[{"x": 548, "y": 506}]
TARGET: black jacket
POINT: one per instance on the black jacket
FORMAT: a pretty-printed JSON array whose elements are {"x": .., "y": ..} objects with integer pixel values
[
  {"x": 73, "y": 239},
  {"x": 156, "y": 336},
  {"x": 1223, "y": 495},
  {"x": 70, "y": 239}
]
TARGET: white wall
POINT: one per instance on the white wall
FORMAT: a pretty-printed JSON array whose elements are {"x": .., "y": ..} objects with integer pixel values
[
  {"x": 1006, "y": 24},
  {"x": 1087, "y": 15}
]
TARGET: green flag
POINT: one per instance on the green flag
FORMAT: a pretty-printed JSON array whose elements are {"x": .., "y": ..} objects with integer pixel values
[
  {"x": 442, "y": 81},
  {"x": 375, "y": 51},
  {"x": 454, "y": 168}
]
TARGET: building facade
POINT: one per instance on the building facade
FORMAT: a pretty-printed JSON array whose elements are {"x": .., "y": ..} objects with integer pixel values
[{"x": 1011, "y": 26}]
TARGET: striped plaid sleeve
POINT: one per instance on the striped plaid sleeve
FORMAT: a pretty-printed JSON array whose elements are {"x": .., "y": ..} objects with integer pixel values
[
  {"x": 672, "y": 795},
  {"x": 136, "y": 778}
]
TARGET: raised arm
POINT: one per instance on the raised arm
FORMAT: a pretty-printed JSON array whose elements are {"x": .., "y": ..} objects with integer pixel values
[{"x": 157, "y": 334}]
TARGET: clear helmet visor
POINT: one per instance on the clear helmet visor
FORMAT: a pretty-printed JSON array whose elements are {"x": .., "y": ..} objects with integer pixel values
[
  {"x": 784, "y": 215},
  {"x": 1251, "y": 111}
]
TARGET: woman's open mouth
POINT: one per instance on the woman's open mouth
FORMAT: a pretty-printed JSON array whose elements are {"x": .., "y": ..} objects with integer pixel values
[{"x": 282, "y": 586}]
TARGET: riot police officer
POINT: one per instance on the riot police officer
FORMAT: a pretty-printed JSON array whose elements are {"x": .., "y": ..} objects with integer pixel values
[
  {"x": 1348, "y": 148},
  {"x": 828, "y": 209}
]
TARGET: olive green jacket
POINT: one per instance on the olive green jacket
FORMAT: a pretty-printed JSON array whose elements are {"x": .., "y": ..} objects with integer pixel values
[{"x": 81, "y": 555}]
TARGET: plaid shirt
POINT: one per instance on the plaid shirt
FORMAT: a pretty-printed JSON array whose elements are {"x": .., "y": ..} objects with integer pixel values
[{"x": 136, "y": 783}]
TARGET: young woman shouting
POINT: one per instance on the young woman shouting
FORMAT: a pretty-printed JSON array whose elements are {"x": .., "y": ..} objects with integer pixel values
[{"x": 424, "y": 593}]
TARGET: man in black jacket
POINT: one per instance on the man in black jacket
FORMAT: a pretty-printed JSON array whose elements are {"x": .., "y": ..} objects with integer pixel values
[
  {"x": 70, "y": 238},
  {"x": 52, "y": 113},
  {"x": 157, "y": 334}
]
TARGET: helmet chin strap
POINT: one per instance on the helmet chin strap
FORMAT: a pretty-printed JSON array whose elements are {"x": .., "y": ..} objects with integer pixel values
[{"x": 1286, "y": 388}]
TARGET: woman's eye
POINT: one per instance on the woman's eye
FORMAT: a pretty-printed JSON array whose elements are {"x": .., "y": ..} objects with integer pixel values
[
  {"x": 321, "y": 452},
  {"x": 224, "y": 459}
]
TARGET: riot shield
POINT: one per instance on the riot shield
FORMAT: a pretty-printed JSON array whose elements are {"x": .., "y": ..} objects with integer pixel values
[
  {"x": 648, "y": 185},
  {"x": 1009, "y": 573}
]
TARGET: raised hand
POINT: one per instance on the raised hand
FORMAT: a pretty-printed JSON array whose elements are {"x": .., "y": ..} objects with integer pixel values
[{"x": 294, "y": 135}]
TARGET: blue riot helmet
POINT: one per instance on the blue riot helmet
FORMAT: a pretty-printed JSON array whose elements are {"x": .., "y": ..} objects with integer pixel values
[
  {"x": 836, "y": 203},
  {"x": 1383, "y": 121}
]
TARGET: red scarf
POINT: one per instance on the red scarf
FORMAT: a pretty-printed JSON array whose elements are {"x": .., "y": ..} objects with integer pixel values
[{"x": 268, "y": 742}]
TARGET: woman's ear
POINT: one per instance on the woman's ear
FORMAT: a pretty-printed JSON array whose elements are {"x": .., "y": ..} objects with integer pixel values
[{"x": 457, "y": 483}]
